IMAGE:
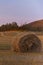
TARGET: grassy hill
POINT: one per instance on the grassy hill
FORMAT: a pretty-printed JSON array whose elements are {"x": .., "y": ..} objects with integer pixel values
[{"x": 34, "y": 26}]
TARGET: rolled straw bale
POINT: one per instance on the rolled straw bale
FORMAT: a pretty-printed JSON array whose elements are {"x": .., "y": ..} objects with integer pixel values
[{"x": 27, "y": 43}]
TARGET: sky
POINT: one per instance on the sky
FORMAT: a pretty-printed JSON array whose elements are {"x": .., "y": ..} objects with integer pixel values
[{"x": 20, "y": 11}]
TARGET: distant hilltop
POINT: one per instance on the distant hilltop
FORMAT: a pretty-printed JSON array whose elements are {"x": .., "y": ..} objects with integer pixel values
[
  {"x": 38, "y": 23},
  {"x": 33, "y": 26}
]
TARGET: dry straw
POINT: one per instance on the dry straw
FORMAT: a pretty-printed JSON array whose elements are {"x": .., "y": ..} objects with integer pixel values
[{"x": 25, "y": 42}]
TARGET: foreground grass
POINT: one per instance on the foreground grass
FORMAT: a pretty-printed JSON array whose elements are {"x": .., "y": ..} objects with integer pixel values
[
  {"x": 12, "y": 58},
  {"x": 8, "y": 57}
]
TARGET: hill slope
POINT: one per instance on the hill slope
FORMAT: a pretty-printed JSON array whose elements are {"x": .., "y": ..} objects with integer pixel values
[
  {"x": 34, "y": 26},
  {"x": 38, "y": 23}
]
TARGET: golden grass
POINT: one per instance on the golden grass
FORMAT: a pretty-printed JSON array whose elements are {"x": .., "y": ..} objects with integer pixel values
[
  {"x": 12, "y": 58},
  {"x": 15, "y": 58}
]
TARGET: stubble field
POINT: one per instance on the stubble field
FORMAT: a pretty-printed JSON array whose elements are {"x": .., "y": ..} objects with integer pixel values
[{"x": 9, "y": 57}]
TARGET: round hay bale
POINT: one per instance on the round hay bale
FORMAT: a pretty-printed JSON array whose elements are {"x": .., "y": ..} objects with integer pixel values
[
  {"x": 27, "y": 43},
  {"x": 30, "y": 43}
]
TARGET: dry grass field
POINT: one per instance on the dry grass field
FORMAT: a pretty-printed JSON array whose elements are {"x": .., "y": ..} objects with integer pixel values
[{"x": 9, "y": 57}]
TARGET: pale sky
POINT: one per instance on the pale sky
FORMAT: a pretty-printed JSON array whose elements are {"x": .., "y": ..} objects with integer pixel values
[{"x": 20, "y": 11}]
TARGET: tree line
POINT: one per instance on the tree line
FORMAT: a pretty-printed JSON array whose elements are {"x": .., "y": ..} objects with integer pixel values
[
  {"x": 9, "y": 26},
  {"x": 14, "y": 26}
]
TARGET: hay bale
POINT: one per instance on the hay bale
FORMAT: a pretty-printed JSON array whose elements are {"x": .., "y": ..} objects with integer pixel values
[
  {"x": 27, "y": 43},
  {"x": 30, "y": 43}
]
